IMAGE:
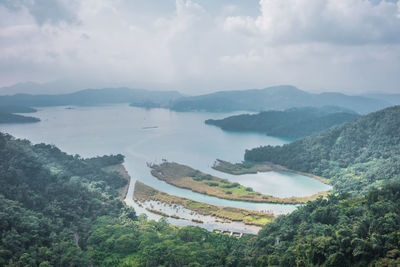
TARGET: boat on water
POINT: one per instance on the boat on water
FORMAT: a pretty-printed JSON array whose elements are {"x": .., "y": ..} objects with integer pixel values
[{"x": 149, "y": 127}]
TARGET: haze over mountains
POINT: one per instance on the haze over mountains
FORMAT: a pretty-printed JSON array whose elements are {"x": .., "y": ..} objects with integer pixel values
[
  {"x": 91, "y": 97},
  {"x": 69, "y": 85},
  {"x": 271, "y": 98},
  {"x": 276, "y": 97},
  {"x": 393, "y": 99},
  {"x": 108, "y": 158}
]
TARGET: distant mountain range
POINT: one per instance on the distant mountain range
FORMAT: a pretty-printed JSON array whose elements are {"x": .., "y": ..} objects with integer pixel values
[
  {"x": 393, "y": 99},
  {"x": 292, "y": 123},
  {"x": 39, "y": 88},
  {"x": 69, "y": 85},
  {"x": 272, "y": 98},
  {"x": 275, "y": 98},
  {"x": 16, "y": 109},
  {"x": 92, "y": 97}
]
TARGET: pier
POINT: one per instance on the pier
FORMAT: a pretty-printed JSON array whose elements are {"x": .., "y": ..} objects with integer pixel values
[{"x": 226, "y": 232}]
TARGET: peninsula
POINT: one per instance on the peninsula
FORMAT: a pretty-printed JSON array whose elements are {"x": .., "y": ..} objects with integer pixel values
[{"x": 186, "y": 177}]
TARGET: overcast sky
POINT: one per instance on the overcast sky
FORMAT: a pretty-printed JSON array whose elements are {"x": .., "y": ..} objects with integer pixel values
[{"x": 350, "y": 46}]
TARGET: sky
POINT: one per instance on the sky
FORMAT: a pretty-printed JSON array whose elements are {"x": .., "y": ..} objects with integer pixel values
[{"x": 199, "y": 46}]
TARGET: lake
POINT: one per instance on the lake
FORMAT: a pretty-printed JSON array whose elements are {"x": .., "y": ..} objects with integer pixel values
[{"x": 151, "y": 135}]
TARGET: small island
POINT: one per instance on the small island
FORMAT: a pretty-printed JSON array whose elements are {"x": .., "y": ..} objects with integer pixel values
[
  {"x": 144, "y": 192},
  {"x": 186, "y": 177}
]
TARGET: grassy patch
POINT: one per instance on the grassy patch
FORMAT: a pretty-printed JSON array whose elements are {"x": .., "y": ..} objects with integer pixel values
[
  {"x": 143, "y": 192},
  {"x": 185, "y": 177}
]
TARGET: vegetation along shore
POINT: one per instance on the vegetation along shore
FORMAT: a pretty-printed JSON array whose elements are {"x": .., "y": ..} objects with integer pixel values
[
  {"x": 120, "y": 169},
  {"x": 144, "y": 192},
  {"x": 248, "y": 167},
  {"x": 186, "y": 177}
]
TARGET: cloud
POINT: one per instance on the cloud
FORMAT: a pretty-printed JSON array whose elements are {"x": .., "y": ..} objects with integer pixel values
[
  {"x": 331, "y": 21},
  {"x": 350, "y": 46},
  {"x": 45, "y": 11}
]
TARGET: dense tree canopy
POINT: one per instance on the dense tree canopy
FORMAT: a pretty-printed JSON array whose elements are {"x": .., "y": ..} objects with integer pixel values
[
  {"x": 47, "y": 198},
  {"x": 340, "y": 231},
  {"x": 63, "y": 210},
  {"x": 356, "y": 157}
]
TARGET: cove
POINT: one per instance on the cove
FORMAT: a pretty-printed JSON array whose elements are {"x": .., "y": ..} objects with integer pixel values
[{"x": 153, "y": 135}]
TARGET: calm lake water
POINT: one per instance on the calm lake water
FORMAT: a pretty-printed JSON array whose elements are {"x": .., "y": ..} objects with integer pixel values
[{"x": 156, "y": 134}]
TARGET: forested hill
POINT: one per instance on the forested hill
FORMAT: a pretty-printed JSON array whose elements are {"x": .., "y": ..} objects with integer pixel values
[
  {"x": 61, "y": 210},
  {"x": 294, "y": 122},
  {"x": 274, "y": 98},
  {"x": 47, "y": 198},
  {"x": 341, "y": 231},
  {"x": 355, "y": 156}
]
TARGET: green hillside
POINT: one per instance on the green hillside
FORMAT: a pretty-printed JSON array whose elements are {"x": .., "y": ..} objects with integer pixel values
[
  {"x": 341, "y": 231},
  {"x": 61, "y": 210},
  {"x": 355, "y": 156}
]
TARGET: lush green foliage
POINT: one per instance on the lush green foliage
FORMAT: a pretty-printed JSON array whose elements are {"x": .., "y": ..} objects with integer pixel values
[
  {"x": 341, "y": 231},
  {"x": 61, "y": 210},
  {"x": 293, "y": 123},
  {"x": 150, "y": 243},
  {"x": 356, "y": 156},
  {"x": 47, "y": 198}
]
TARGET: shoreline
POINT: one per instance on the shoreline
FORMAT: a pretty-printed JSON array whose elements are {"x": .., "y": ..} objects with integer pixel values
[
  {"x": 143, "y": 192},
  {"x": 120, "y": 169},
  {"x": 187, "y": 178},
  {"x": 253, "y": 168}
]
